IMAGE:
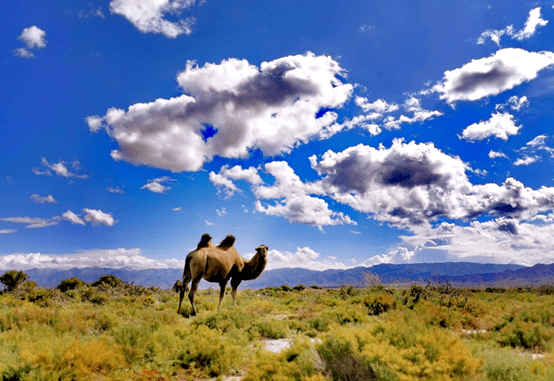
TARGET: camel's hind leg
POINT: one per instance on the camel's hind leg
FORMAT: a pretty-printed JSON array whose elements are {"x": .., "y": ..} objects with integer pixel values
[
  {"x": 193, "y": 288},
  {"x": 182, "y": 289},
  {"x": 181, "y": 297}
]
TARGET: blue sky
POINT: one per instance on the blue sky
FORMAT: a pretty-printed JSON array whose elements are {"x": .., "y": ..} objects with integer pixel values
[{"x": 339, "y": 134}]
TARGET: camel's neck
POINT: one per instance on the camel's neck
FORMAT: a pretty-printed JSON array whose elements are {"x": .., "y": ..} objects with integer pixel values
[{"x": 253, "y": 268}]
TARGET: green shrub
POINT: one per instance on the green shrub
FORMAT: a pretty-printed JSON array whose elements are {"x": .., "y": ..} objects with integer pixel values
[
  {"x": 99, "y": 299},
  {"x": 528, "y": 335},
  {"x": 347, "y": 291},
  {"x": 29, "y": 285},
  {"x": 13, "y": 278},
  {"x": 41, "y": 296},
  {"x": 271, "y": 329},
  {"x": 341, "y": 361},
  {"x": 16, "y": 373},
  {"x": 379, "y": 302},
  {"x": 70, "y": 284},
  {"x": 107, "y": 280},
  {"x": 209, "y": 352}
]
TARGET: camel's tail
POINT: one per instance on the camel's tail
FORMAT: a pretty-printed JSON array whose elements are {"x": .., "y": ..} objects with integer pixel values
[{"x": 186, "y": 271}]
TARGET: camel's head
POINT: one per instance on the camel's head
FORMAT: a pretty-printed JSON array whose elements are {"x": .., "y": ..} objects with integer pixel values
[
  {"x": 262, "y": 251},
  {"x": 178, "y": 286}
]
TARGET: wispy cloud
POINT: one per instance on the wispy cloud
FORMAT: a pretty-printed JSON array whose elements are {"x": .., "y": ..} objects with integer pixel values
[
  {"x": 73, "y": 218},
  {"x": 157, "y": 185},
  {"x": 33, "y": 223},
  {"x": 61, "y": 169},
  {"x": 149, "y": 16},
  {"x": 115, "y": 189},
  {"x": 42, "y": 200},
  {"x": 92, "y": 216},
  {"x": 533, "y": 23},
  {"x": 367, "y": 28},
  {"x": 92, "y": 11}
]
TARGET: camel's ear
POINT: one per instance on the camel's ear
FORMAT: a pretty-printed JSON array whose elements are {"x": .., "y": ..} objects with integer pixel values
[
  {"x": 204, "y": 241},
  {"x": 227, "y": 242}
]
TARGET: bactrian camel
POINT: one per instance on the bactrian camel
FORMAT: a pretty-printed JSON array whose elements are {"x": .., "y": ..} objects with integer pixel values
[{"x": 218, "y": 264}]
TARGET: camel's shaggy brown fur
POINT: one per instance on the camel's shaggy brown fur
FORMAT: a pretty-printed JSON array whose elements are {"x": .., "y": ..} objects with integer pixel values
[{"x": 219, "y": 264}]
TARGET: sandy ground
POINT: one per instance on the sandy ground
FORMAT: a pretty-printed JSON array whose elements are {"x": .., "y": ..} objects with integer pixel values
[{"x": 277, "y": 345}]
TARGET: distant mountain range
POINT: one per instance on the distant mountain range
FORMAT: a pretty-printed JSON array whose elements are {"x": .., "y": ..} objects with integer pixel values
[{"x": 455, "y": 273}]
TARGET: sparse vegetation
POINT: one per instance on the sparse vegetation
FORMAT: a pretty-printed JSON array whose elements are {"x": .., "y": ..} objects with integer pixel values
[{"x": 119, "y": 331}]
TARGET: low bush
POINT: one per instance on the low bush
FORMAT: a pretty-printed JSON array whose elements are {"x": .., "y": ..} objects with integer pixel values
[
  {"x": 108, "y": 281},
  {"x": 379, "y": 302},
  {"x": 70, "y": 284}
]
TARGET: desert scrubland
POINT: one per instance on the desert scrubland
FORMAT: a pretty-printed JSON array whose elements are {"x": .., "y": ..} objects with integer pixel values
[{"x": 111, "y": 330}]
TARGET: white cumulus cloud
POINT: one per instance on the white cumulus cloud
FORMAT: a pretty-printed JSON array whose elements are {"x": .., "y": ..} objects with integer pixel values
[
  {"x": 33, "y": 38},
  {"x": 502, "y": 240},
  {"x": 495, "y": 154},
  {"x": 527, "y": 160},
  {"x": 500, "y": 125},
  {"x": 223, "y": 179},
  {"x": 97, "y": 217},
  {"x": 492, "y": 75},
  {"x": 229, "y": 109},
  {"x": 294, "y": 200}
]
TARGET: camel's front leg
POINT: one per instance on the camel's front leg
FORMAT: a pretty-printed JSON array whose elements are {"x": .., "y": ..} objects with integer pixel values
[
  {"x": 222, "y": 286},
  {"x": 234, "y": 287}
]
